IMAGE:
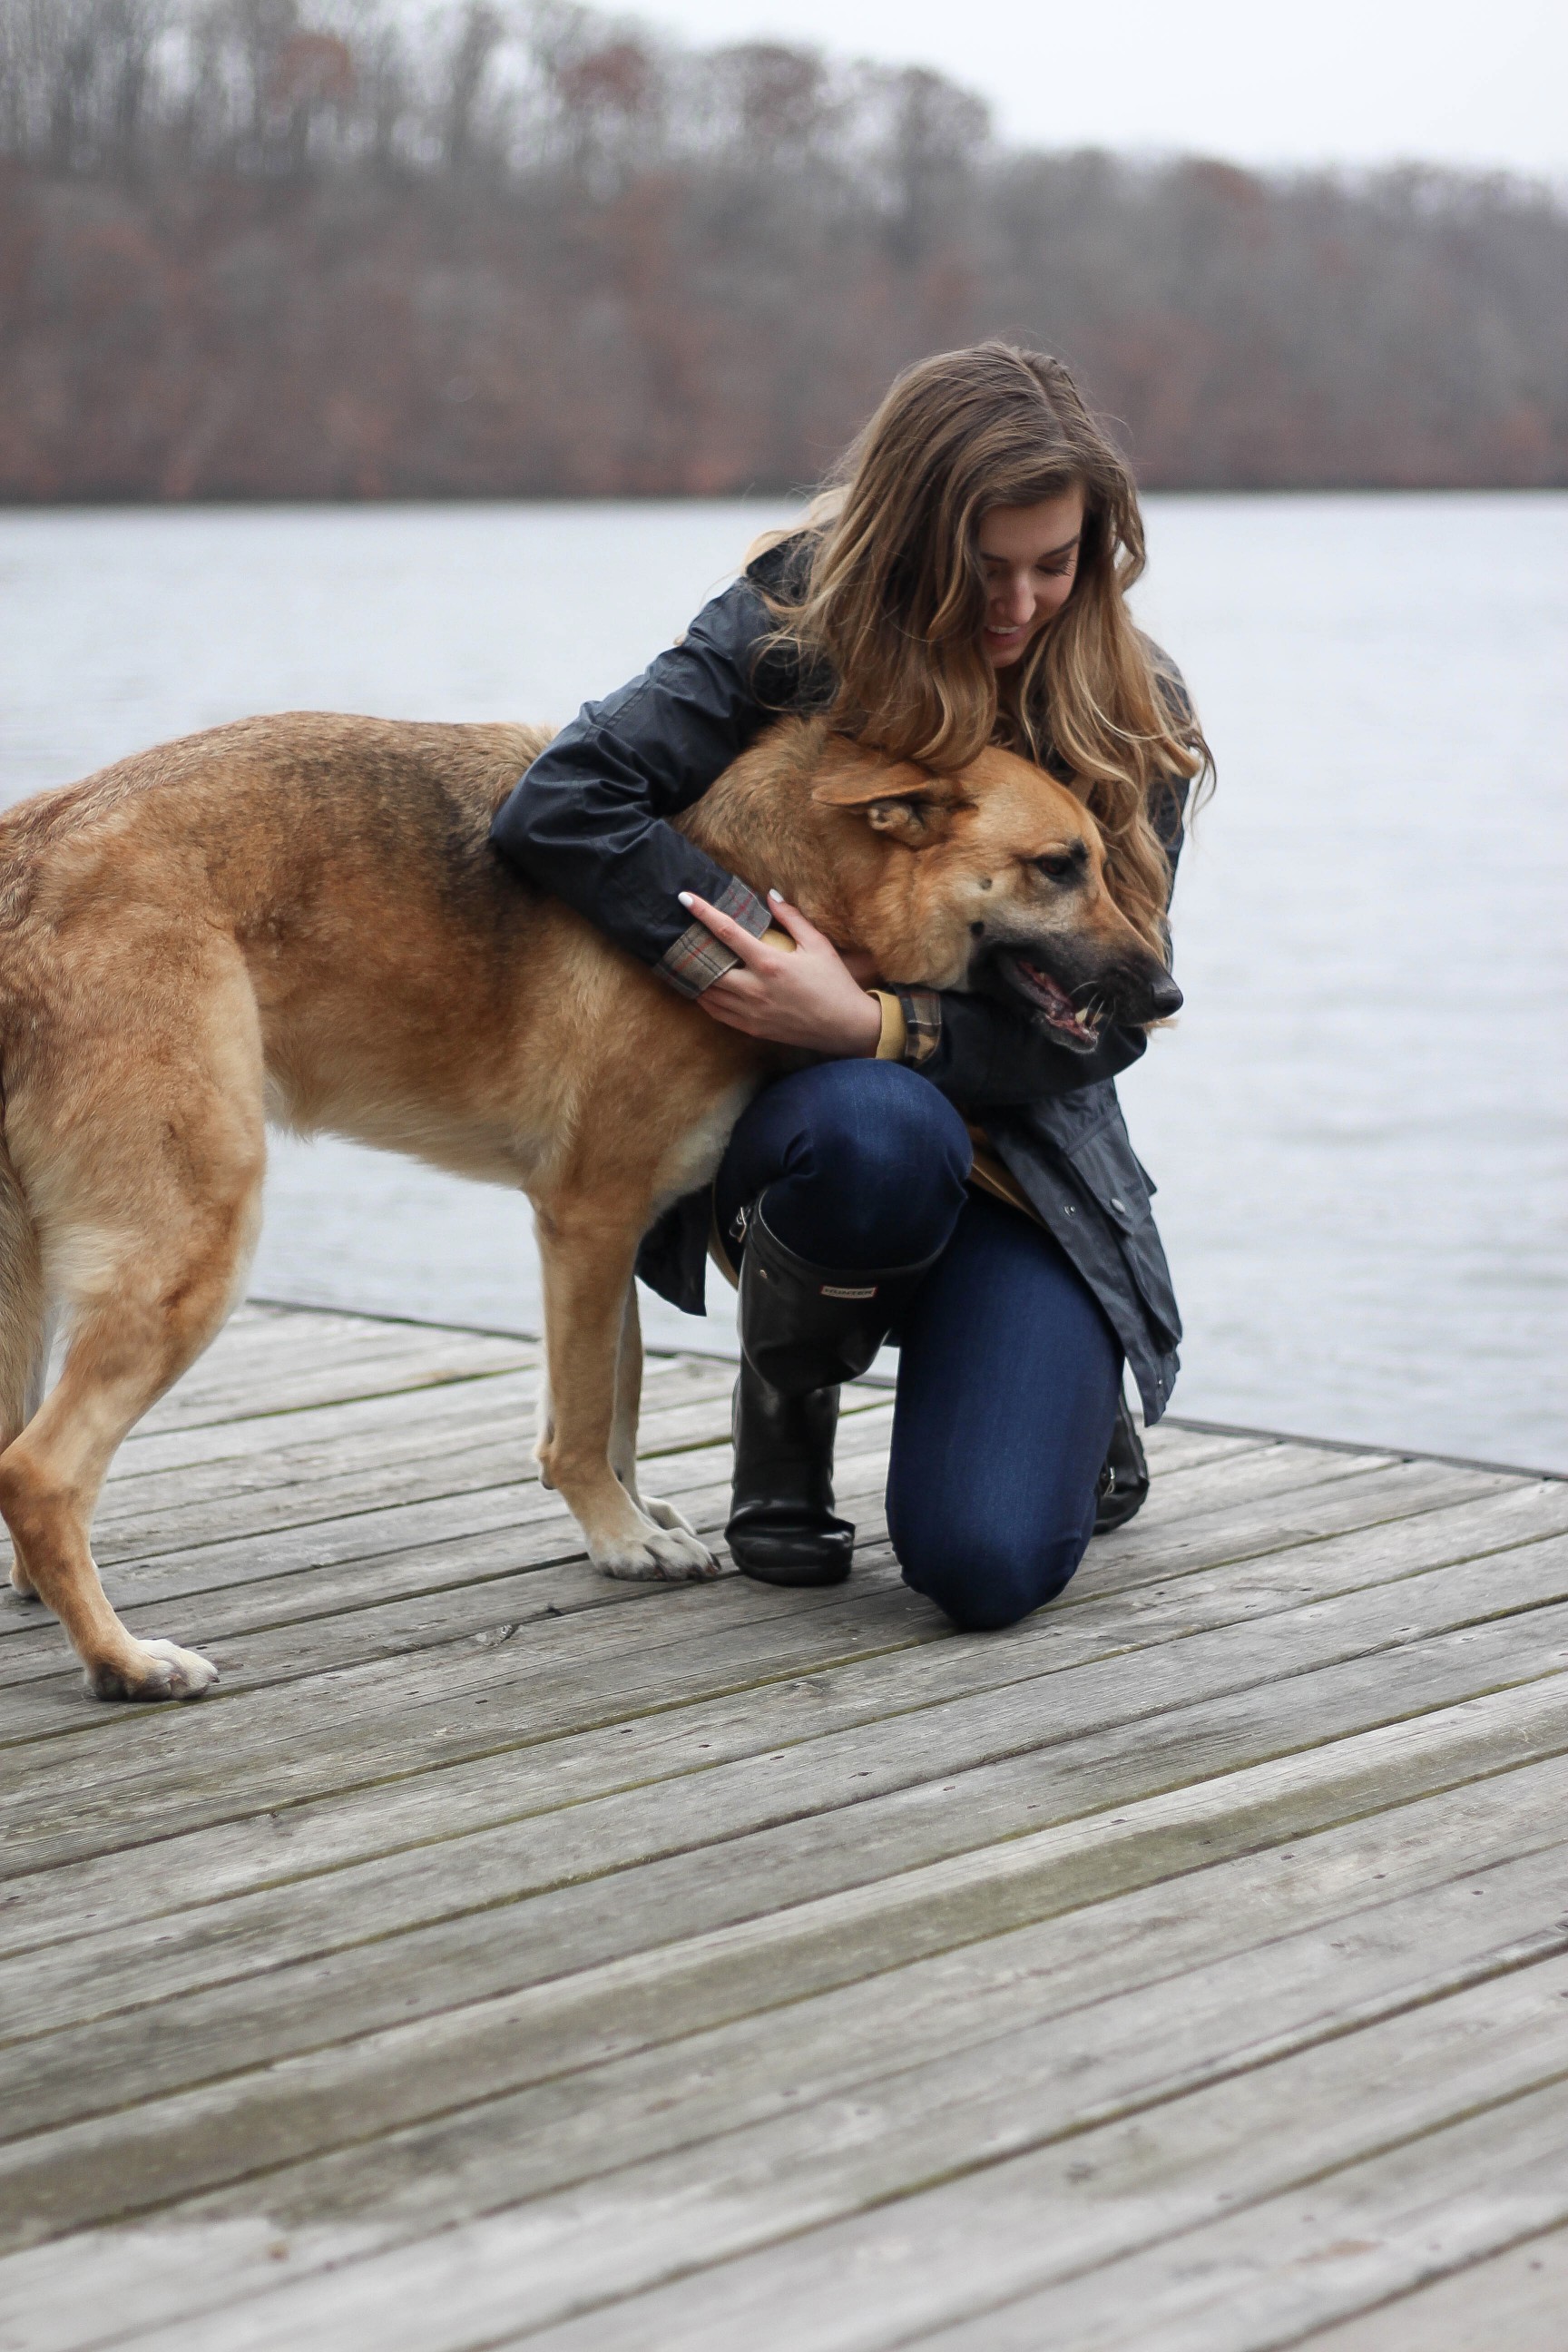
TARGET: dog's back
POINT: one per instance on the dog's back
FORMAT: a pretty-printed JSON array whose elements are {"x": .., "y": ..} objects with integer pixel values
[
  {"x": 347, "y": 861},
  {"x": 257, "y": 813}
]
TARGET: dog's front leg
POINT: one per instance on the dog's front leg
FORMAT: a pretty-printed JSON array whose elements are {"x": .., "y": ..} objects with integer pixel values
[
  {"x": 624, "y": 1432},
  {"x": 586, "y": 1253}
]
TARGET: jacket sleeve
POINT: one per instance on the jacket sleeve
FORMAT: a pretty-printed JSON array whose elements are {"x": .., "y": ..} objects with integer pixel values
[
  {"x": 590, "y": 819},
  {"x": 984, "y": 1056}
]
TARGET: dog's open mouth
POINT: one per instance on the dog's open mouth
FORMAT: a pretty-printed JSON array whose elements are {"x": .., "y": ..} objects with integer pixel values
[{"x": 1075, "y": 1025}]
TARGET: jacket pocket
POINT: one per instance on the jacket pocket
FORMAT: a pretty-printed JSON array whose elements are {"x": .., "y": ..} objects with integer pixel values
[{"x": 1104, "y": 1164}]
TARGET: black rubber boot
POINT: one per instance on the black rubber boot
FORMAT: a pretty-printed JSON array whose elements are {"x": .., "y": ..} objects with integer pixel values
[
  {"x": 803, "y": 1329},
  {"x": 1124, "y": 1481}
]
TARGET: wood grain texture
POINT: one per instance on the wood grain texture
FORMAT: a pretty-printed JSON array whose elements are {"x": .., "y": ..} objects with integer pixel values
[
  {"x": 1514, "y": 2302},
  {"x": 503, "y": 1956}
]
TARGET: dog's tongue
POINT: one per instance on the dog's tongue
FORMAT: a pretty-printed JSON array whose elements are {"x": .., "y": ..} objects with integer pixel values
[{"x": 1058, "y": 1005}]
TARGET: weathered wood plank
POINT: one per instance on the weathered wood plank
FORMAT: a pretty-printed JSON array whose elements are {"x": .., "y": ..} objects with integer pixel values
[
  {"x": 1262, "y": 2277},
  {"x": 197, "y": 1865},
  {"x": 1371, "y": 1488},
  {"x": 614, "y": 2246},
  {"x": 494, "y": 1449},
  {"x": 480, "y": 1605},
  {"x": 1242, "y": 2004},
  {"x": 1203, "y": 1539},
  {"x": 293, "y": 1449},
  {"x": 1144, "y": 1554},
  {"x": 352, "y": 1547},
  {"x": 183, "y": 1465},
  {"x": 287, "y": 1348},
  {"x": 1290, "y": 1945},
  {"x": 257, "y": 1327},
  {"x": 479, "y": 1464},
  {"x": 516, "y": 1500},
  {"x": 43, "y": 1698},
  {"x": 369, "y": 1367},
  {"x": 263, "y": 1437},
  {"x": 386, "y": 1630},
  {"x": 453, "y": 1420},
  {"x": 1110, "y": 2191},
  {"x": 514, "y": 1467},
  {"x": 297, "y": 1966},
  {"x": 451, "y": 1905},
  {"x": 587, "y": 1680},
  {"x": 33, "y": 1650},
  {"x": 885, "y": 2272},
  {"x": 1515, "y": 2301}
]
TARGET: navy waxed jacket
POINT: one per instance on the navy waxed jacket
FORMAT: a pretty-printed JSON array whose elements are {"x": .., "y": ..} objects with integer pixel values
[{"x": 590, "y": 822}]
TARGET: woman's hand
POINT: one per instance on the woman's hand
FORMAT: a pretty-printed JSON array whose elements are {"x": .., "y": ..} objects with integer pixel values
[{"x": 806, "y": 995}]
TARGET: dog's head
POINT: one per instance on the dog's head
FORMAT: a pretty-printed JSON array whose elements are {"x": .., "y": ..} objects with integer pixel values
[{"x": 994, "y": 881}]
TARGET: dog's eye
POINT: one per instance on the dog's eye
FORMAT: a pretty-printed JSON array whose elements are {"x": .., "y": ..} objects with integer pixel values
[{"x": 1060, "y": 865}]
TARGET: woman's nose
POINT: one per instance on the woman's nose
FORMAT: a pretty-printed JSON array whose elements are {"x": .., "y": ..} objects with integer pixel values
[{"x": 1012, "y": 601}]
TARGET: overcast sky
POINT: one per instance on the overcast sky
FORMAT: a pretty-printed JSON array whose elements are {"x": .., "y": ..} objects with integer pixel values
[{"x": 1357, "y": 82}]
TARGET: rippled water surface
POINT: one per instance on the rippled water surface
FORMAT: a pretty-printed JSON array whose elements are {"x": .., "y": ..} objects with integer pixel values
[{"x": 1360, "y": 1125}]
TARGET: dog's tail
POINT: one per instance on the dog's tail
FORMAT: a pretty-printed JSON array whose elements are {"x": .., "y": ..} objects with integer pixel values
[{"x": 24, "y": 1308}]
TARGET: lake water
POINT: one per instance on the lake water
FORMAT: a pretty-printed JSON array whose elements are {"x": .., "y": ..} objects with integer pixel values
[{"x": 1359, "y": 1124}]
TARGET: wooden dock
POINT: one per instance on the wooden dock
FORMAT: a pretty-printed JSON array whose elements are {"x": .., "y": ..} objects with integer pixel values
[{"x": 506, "y": 1956}]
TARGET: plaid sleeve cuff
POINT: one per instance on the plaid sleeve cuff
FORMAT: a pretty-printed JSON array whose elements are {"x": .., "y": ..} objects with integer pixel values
[
  {"x": 696, "y": 959},
  {"x": 921, "y": 1009}
]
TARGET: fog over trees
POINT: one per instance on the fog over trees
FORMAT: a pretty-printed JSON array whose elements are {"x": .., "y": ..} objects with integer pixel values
[{"x": 329, "y": 248}]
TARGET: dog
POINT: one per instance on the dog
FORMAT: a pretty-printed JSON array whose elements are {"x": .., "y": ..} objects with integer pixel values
[{"x": 300, "y": 920}]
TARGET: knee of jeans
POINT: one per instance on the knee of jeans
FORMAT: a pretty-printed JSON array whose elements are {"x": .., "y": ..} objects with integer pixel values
[
  {"x": 897, "y": 1156},
  {"x": 987, "y": 1580}
]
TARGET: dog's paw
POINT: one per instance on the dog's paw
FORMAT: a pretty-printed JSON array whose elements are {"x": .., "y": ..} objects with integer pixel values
[
  {"x": 657, "y": 1556},
  {"x": 154, "y": 1670},
  {"x": 665, "y": 1515}
]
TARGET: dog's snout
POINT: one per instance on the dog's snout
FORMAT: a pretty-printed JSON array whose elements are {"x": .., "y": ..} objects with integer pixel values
[{"x": 1164, "y": 997}]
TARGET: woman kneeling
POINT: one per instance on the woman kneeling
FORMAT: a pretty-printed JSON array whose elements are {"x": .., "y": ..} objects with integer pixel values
[{"x": 944, "y": 1174}]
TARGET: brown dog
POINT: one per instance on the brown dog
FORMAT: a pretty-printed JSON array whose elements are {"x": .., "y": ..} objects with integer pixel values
[{"x": 300, "y": 918}]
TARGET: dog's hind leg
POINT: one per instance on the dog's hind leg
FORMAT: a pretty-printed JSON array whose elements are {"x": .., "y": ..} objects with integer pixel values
[
  {"x": 585, "y": 1252},
  {"x": 33, "y": 1398},
  {"x": 24, "y": 1326},
  {"x": 147, "y": 1200},
  {"x": 624, "y": 1430},
  {"x": 544, "y": 1427}
]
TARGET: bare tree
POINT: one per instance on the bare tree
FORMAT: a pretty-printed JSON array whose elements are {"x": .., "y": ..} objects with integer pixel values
[{"x": 330, "y": 248}]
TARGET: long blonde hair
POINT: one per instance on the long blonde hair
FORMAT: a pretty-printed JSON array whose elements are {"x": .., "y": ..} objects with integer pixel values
[{"x": 894, "y": 601}]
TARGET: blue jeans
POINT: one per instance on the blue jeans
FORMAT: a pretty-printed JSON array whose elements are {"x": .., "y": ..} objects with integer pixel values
[{"x": 1009, "y": 1372}]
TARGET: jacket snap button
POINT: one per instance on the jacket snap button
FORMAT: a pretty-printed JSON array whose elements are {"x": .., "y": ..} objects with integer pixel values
[
  {"x": 1068, "y": 1207},
  {"x": 1117, "y": 1205}
]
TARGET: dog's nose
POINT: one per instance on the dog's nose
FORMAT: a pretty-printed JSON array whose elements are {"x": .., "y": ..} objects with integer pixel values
[{"x": 1165, "y": 996}]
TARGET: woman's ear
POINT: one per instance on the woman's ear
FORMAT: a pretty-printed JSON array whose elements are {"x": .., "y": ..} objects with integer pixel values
[{"x": 898, "y": 797}]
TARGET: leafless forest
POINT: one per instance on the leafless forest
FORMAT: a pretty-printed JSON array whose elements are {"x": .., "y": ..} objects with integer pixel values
[{"x": 262, "y": 249}]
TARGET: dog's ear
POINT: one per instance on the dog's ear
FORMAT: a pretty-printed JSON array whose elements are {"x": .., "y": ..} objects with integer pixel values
[{"x": 898, "y": 797}]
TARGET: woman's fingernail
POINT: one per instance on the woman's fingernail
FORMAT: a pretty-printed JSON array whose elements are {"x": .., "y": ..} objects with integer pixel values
[
  {"x": 777, "y": 898},
  {"x": 684, "y": 896}
]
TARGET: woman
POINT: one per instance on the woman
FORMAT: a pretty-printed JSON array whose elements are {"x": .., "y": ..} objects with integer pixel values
[{"x": 944, "y": 1174}]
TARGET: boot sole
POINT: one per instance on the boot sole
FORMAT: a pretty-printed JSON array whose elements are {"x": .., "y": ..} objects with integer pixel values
[{"x": 797, "y": 1572}]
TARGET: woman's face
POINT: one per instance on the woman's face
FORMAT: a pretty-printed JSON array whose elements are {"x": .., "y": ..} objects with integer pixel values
[{"x": 1030, "y": 556}]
